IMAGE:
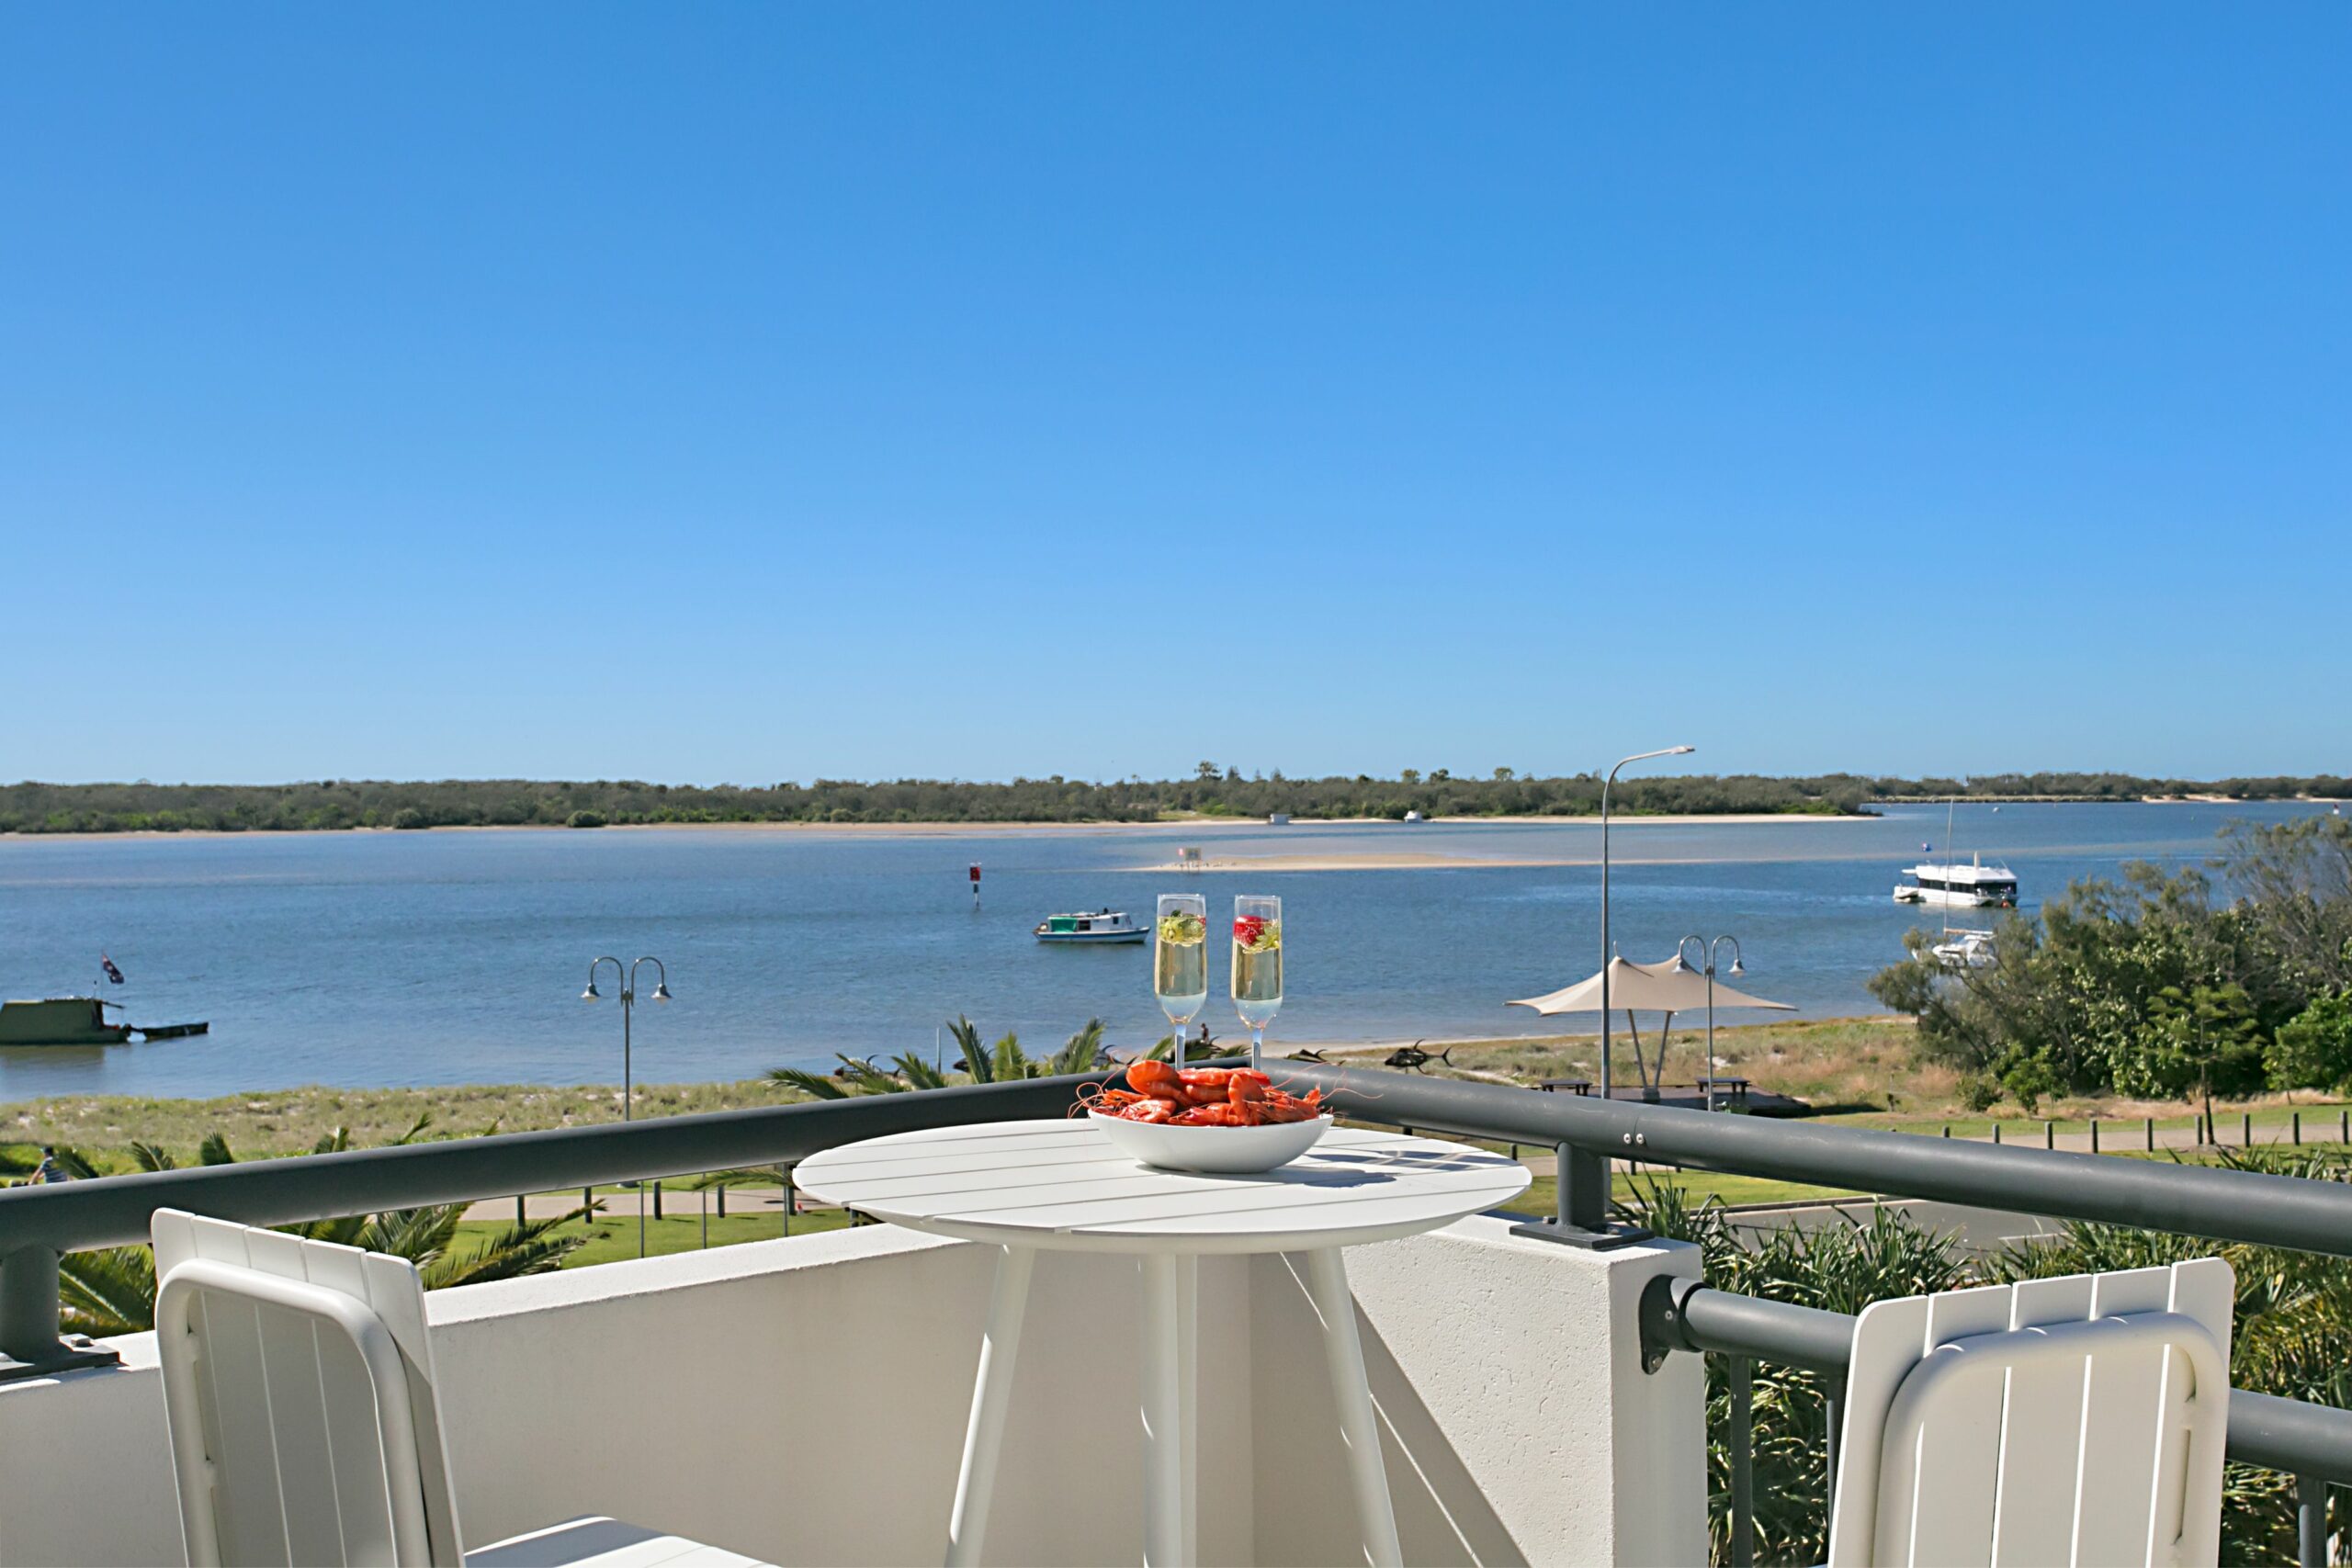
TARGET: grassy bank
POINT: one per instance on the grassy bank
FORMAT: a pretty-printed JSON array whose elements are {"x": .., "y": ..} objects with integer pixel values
[{"x": 288, "y": 1121}]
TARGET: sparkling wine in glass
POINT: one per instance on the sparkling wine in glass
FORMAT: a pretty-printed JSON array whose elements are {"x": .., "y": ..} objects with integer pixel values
[
  {"x": 1180, "y": 960},
  {"x": 1257, "y": 966}
]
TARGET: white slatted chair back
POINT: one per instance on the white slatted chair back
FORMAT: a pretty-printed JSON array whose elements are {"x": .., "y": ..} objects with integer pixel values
[
  {"x": 2073, "y": 1421},
  {"x": 297, "y": 1383}
]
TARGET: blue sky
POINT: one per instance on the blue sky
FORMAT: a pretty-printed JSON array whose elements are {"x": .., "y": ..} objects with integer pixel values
[{"x": 751, "y": 392}]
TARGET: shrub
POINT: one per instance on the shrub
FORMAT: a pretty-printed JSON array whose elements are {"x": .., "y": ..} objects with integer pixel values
[
  {"x": 584, "y": 819},
  {"x": 1979, "y": 1092},
  {"x": 2313, "y": 1049},
  {"x": 408, "y": 816}
]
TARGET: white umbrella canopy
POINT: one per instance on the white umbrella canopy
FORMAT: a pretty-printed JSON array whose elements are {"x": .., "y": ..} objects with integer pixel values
[{"x": 1671, "y": 985}]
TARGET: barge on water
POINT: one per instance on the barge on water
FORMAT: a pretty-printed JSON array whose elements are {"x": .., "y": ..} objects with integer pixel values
[{"x": 78, "y": 1021}]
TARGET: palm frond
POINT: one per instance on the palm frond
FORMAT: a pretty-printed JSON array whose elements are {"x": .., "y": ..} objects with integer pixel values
[
  {"x": 151, "y": 1157},
  {"x": 974, "y": 1060},
  {"x": 1010, "y": 1061},
  {"x": 919, "y": 1073},
  {"x": 215, "y": 1150},
  {"x": 817, "y": 1084},
  {"x": 108, "y": 1292},
  {"x": 1085, "y": 1048},
  {"x": 530, "y": 1247}
]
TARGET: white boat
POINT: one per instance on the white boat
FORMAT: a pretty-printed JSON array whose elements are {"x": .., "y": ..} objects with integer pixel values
[
  {"x": 1103, "y": 925},
  {"x": 1963, "y": 948},
  {"x": 1972, "y": 886}
]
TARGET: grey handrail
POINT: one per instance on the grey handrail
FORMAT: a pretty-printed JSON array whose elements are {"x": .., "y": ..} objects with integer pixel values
[{"x": 2227, "y": 1205}]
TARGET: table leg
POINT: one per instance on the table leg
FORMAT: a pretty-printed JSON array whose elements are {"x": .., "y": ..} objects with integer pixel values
[
  {"x": 1327, "y": 1284},
  {"x": 1188, "y": 1353},
  {"x": 991, "y": 1392},
  {"x": 1163, "y": 1418}
]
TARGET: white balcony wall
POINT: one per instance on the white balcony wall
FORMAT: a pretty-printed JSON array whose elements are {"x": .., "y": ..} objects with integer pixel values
[{"x": 804, "y": 1400}]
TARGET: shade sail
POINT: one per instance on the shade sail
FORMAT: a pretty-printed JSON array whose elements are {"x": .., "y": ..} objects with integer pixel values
[{"x": 1669, "y": 987}]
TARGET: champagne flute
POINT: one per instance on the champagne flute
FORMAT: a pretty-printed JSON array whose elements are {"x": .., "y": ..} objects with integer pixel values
[
  {"x": 1257, "y": 966},
  {"x": 1180, "y": 960}
]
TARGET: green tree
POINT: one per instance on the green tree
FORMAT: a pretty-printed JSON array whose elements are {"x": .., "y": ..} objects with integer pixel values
[{"x": 2313, "y": 1049}]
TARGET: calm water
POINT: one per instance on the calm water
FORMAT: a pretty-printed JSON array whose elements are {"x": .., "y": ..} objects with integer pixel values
[{"x": 458, "y": 957}]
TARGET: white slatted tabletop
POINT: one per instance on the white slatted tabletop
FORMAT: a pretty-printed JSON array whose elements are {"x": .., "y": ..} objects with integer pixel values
[{"x": 1059, "y": 1185}]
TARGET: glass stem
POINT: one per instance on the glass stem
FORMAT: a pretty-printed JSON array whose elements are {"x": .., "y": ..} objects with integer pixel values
[{"x": 1257, "y": 1047}]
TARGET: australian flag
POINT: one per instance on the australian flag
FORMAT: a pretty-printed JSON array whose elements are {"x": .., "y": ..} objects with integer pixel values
[{"x": 113, "y": 974}]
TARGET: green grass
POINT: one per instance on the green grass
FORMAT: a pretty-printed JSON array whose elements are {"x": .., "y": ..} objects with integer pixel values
[{"x": 612, "y": 1237}]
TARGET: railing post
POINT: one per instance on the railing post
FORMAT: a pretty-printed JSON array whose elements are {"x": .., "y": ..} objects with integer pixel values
[
  {"x": 2049, "y": 1134},
  {"x": 2311, "y": 1522},
  {"x": 2299, "y": 1127},
  {"x": 657, "y": 1200},
  {"x": 1947, "y": 1129},
  {"x": 522, "y": 1213},
  {"x": 1996, "y": 1132},
  {"x": 2152, "y": 1134},
  {"x": 2245, "y": 1128},
  {"x": 1741, "y": 1441},
  {"x": 785, "y": 1171},
  {"x": 30, "y": 1343},
  {"x": 2094, "y": 1135},
  {"x": 722, "y": 1200},
  {"x": 1580, "y": 1209},
  {"x": 28, "y": 1305}
]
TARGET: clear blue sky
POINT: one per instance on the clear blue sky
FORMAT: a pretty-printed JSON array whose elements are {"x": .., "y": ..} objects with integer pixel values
[{"x": 751, "y": 392}]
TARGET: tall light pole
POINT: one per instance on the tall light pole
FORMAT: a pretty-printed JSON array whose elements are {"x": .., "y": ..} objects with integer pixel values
[
  {"x": 1707, "y": 950},
  {"x": 1608, "y": 1081},
  {"x": 628, "y": 978}
]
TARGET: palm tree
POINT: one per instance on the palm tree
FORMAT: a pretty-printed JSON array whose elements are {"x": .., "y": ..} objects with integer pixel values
[
  {"x": 112, "y": 1290},
  {"x": 1005, "y": 1062}
]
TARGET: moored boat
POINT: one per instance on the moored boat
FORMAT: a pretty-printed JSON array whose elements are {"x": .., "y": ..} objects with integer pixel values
[
  {"x": 60, "y": 1020},
  {"x": 1103, "y": 926},
  {"x": 79, "y": 1021},
  {"x": 1971, "y": 886}
]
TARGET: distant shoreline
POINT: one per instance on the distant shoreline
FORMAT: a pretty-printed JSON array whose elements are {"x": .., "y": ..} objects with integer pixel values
[{"x": 960, "y": 829}]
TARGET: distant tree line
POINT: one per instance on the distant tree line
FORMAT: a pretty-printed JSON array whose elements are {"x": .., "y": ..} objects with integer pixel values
[
  {"x": 1210, "y": 791},
  {"x": 2171, "y": 985}
]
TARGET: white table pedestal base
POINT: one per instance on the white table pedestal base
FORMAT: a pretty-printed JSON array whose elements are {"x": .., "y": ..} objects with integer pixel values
[
  {"x": 991, "y": 1392},
  {"x": 1170, "y": 1407}
]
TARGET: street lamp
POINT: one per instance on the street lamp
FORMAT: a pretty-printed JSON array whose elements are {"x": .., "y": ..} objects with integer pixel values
[
  {"x": 1707, "y": 950},
  {"x": 627, "y": 978},
  {"x": 1608, "y": 1082}
]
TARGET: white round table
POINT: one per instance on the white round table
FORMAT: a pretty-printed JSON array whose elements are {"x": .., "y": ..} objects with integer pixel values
[{"x": 1030, "y": 1186}]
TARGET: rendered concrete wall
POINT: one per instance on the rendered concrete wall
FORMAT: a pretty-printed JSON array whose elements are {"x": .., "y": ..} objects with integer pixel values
[{"x": 804, "y": 1401}]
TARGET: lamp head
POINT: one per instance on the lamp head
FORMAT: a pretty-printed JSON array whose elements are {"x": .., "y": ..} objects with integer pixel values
[
  {"x": 1737, "y": 966},
  {"x": 1680, "y": 751},
  {"x": 661, "y": 991},
  {"x": 591, "y": 994}
]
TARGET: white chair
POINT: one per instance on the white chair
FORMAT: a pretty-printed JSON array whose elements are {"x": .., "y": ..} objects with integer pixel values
[
  {"x": 2075, "y": 1421},
  {"x": 299, "y": 1387}
]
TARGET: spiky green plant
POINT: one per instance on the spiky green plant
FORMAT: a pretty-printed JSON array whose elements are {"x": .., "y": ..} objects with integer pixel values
[{"x": 112, "y": 1290}]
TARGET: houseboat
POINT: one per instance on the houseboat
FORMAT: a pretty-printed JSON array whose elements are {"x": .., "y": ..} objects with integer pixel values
[
  {"x": 60, "y": 1020},
  {"x": 79, "y": 1021},
  {"x": 1103, "y": 925},
  {"x": 1972, "y": 886}
]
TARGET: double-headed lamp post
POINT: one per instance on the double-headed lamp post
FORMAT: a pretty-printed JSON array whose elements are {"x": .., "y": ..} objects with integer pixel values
[
  {"x": 628, "y": 978},
  {"x": 1707, "y": 951},
  {"x": 1608, "y": 1081}
]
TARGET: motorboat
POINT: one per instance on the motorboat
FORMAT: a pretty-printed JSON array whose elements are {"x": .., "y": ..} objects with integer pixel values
[
  {"x": 1104, "y": 927},
  {"x": 79, "y": 1021},
  {"x": 1964, "y": 949}
]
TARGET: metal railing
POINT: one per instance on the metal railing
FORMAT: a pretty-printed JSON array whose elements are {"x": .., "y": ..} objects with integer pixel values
[{"x": 2311, "y": 1442}]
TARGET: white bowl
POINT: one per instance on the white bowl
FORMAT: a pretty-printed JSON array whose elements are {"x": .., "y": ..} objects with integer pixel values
[{"x": 1220, "y": 1151}]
